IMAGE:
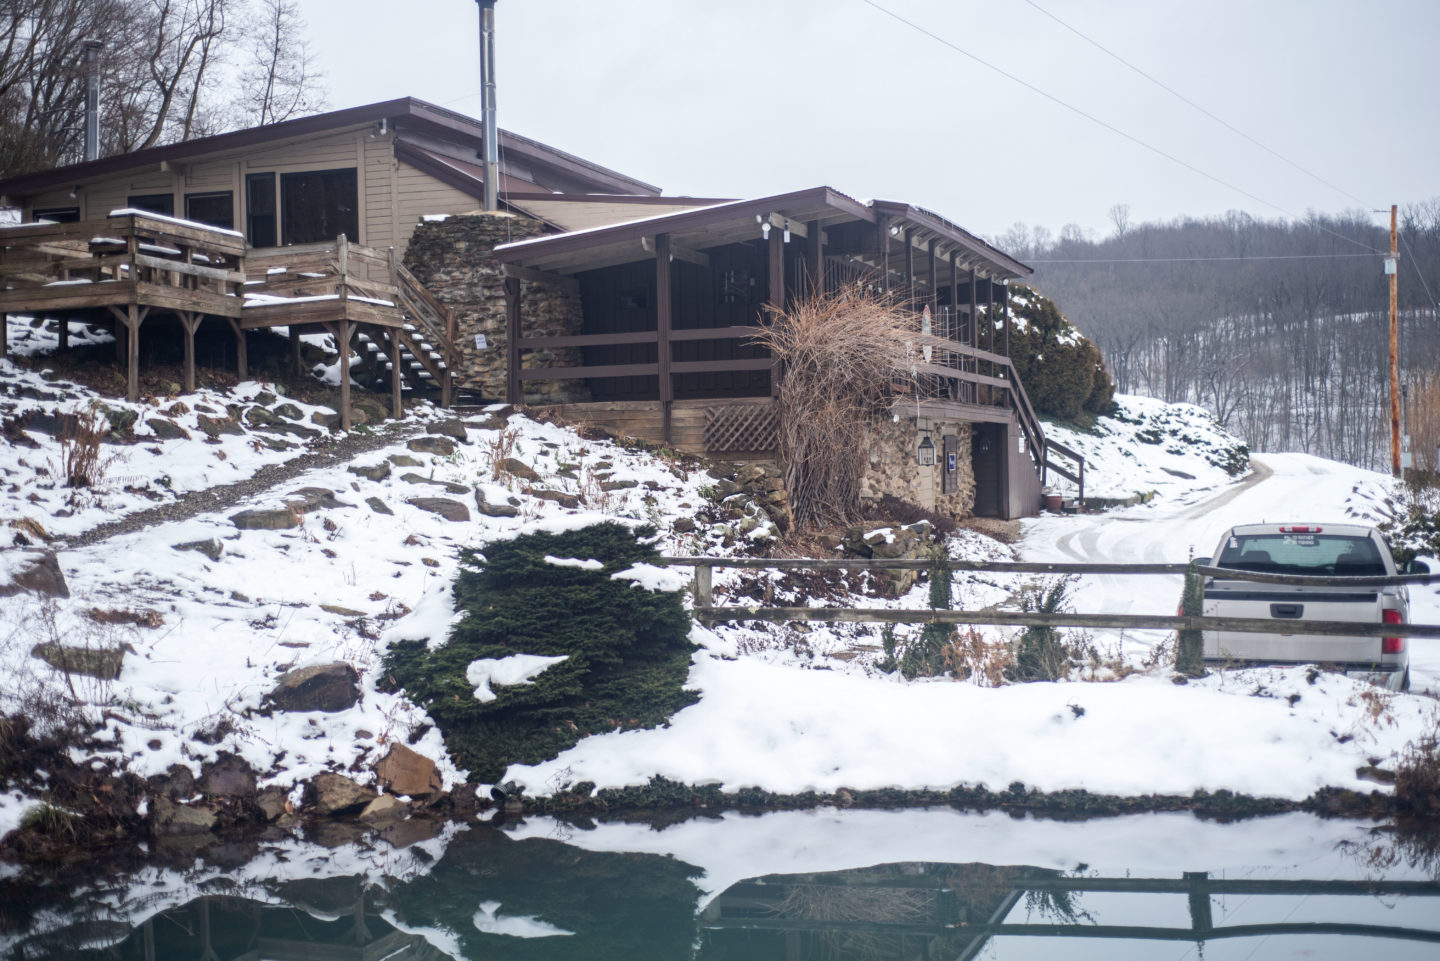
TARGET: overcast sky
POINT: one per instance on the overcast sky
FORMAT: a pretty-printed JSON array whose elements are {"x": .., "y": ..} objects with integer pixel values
[{"x": 745, "y": 98}]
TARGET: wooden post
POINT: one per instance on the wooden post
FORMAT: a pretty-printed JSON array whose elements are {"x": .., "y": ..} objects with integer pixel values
[
  {"x": 777, "y": 296},
  {"x": 954, "y": 333},
  {"x": 1005, "y": 319},
  {"x": 974, "y": 324},
  {"x": 132, "y": 352},
  {"x": 342, "y": 341},
  {"x": 397, "y": 408},
  {"x": 189, "y": 322},
  {"x": 817, "y": 259},
  {"x": 1201, "y": 918},
  {"x": 704, "y": 596},
  {"x": 294, "y": 333},
  {"x": 63, "y": 330},
  {"x": 1395, "y": 467},
  {"x": 882, "y": 227},
  {"x": 909, "y": 236},
  {"x": 512, "y": 340},
  {"x": 934, "y": 288},
  {"x": 241, "y": 357},
  {"x": 1190, "y": 645}
]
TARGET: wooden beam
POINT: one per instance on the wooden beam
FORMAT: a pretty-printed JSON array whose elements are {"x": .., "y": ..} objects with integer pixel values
[
  {"x": 797, "y": 227},
  {"x": 397, "y": 408},
  {"x": 512, "y": 340},
  {"x": 529, "y": 275},
  {"x": 910, "y": 264},
  {"x": 342, "y": 343},
  {"x": 677, "y": 252},
  {"x": 816, "y": 260},
  {"x": 294, "y": 334},
  {"x": 934, "y": 287},
  {"x": 777, "y": 297},
  {"x": 1005, "y": 318},
  {"x": 189, "y": 322}
]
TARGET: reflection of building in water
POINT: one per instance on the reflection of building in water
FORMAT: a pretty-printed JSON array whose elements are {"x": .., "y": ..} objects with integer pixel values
[
  {"x": 228, "y": 928},
  {"x": 919, "y": 910}
]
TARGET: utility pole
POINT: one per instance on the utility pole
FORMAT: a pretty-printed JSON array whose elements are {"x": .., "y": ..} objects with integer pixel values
[{"x": 1392, "y": 267}]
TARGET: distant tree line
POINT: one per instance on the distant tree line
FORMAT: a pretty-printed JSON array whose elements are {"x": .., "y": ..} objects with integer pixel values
[
  {"x": 1279, "y": 327},
  {"x": 170, "y": 70}
]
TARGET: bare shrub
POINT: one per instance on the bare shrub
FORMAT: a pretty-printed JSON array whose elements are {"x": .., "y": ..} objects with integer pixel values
[
  {"x": 83, "y": 464},
  {"x": 54, "y": 700},
  {"x": 502, "y": 448},
  {"x": 838, "y": 355},
  {"x": 1417, "y": 774}
]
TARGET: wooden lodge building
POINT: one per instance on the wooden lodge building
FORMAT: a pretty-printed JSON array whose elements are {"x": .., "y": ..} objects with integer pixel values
[{"x": 588, "y": 291}]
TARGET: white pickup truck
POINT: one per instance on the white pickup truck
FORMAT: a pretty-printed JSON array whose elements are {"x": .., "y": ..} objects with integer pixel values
[{"x": 1315, "y": 550}]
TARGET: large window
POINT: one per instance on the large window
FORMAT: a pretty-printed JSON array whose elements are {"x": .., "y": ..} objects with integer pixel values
[
  {"x": 56, "y": 215},
  {"x": 261, "y": 223},
  {"x": 309, "y": 206},
  {"x": 318, "y": 205},
  {"x": 163, "y": 204},
  {"x": 216, "y": 208}
]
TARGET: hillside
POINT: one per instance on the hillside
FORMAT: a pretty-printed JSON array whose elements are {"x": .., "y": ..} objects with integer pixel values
[{"x": 326, "y": 550}]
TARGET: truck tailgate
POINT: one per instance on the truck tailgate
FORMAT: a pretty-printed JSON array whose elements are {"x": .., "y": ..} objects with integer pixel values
[{"x": 1236, "y": 599}]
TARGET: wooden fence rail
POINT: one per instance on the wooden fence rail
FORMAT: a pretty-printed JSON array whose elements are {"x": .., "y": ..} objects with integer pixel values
[{"x": 707, "y": 612}]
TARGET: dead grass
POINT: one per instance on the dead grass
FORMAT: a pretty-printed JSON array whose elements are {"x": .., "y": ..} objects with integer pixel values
[{"x": 83, "y": 461}]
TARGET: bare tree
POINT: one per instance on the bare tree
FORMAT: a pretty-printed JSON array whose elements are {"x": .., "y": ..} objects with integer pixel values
[
  {"x": 1120, "y": 217},
  {"x": 279, "y": 79}
]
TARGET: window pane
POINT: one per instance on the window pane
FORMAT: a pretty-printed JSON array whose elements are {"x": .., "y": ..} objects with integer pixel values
[
  {"x": 217, "y": 208},
  {"x": 59, "y": 215},
  {"x": 163, "y": 204},
  {"x": 260, "y": 210},
  {"x": 319, "y": 205}
]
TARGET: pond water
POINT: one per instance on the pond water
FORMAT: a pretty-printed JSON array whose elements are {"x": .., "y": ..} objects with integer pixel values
[{"x": 789, "y": 886}]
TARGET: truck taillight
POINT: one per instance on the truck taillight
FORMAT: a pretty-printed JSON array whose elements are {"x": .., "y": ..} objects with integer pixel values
[
  {"x": 1392, "y": 645},
  {"x": 1292, "y": 529}
]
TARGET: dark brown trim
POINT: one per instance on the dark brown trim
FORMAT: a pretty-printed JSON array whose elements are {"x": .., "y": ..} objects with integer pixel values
[
  {"x": 662, "y": 317},
  {"x": 927, "y": 221}
]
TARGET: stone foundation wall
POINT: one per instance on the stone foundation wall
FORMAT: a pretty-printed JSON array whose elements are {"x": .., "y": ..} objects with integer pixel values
[
  {"x": 452, "y": 258},
  {"x": 893, "y": 467}
]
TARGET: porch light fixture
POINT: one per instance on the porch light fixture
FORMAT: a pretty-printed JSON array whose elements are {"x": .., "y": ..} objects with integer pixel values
[
  {"x": 927, "y": 451},
  {"x": 895, "y": 231},
  {"x": 787, "y": 231}
]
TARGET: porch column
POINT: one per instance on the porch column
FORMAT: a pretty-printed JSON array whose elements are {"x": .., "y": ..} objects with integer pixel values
[
  {"x": 817, "y": 259},
  {"x": 189, "y": 322},
  {"x": 954, "y": 297},
  {"x": 342, "y": 342},
  {"x": 934, "y": 285},
  {"x": 132, "y": 352},
  {"x": 397, "y": 408},
  {"x": 882, "y": 227},
  {"x": 909, "y": 236},
  {"x": 662, "y": 329},
  {"x": 512, "y": 340},
  {"x": 776, "y": 251},
  {"x": 294, "y": 334},
  {"x": 1005, "y": 316},
  {"x": 241, "y": 358}
]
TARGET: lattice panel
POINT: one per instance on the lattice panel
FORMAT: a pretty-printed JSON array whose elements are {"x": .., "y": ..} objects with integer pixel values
[{"x": 744, "y": 427}]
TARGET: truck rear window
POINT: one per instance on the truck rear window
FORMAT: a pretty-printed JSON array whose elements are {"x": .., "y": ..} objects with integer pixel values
[{"x": 1336, "y": 555}]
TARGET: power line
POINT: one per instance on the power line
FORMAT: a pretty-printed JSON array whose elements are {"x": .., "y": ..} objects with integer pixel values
[
  {"x": 1096, "y": 120},
  {"x": 1180, "y": 96},
  {"x": 1184, "y": 260},
  {"x": 1410, "y": 256}
]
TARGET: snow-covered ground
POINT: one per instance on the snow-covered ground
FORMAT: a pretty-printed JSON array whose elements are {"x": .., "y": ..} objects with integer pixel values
[{"x": 782, "y": 709}]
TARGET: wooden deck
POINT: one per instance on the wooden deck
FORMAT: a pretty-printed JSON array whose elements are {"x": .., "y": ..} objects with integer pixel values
[{"x": 133, "y": 264}]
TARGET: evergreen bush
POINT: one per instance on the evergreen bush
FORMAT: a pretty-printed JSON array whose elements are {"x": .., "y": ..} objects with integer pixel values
[
  {"x": 1063, "y": 371},
  {"x": 627, "y": 649}
]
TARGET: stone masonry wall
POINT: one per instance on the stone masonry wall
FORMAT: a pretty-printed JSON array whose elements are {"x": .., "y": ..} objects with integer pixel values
[
  {"x": 893, "y": 464},
  {"x": 452, "y": 258}
]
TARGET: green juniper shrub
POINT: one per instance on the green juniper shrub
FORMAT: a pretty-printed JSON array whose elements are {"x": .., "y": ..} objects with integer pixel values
[
  {"x": 627, "y": 649},
  {"x": 1061, "y": 369},
  {"x": 1044, "y": 653}
]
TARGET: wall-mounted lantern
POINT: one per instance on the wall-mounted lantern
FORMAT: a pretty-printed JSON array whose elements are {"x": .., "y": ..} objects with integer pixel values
[{"x": 927, "y": 452}]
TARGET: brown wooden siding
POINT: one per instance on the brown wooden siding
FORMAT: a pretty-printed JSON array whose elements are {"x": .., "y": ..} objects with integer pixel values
[{"x": 418, "y": 194}]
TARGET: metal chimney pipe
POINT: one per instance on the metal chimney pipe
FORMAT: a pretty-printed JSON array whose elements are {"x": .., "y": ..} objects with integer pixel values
[
  {"x": 92, "y": 99},
  {"x": 487, "y": 108}
]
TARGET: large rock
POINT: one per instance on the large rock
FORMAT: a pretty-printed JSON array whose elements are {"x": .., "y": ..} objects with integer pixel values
[
  {"x": 171, "y": 819},
  {"x": 211, "y": 548},
  {"x": 166, "y": 429},
  {"x": 510, "y": 508},
  {"x": 449, "y": 509},
  {"x": 518, "y": 468},
  {"x": 276, "y": 519},
  {"x": 215, "y": 426},
  {"x": 450, "y": 487},
  {"x": 448, "y": 428},
  {"x": 386, "y": 807},
  {"x": 374, "y": 472},
  {"x": 228, "y": 776},
  {"x": 34, "y": 572},
  {"x": 432, "y": 444},
  {"x": 407, "y": 772},
  {"x": 317, "y": 687},
  {"x": 331, "y": 793},
  {"x": 100, "y": 662},
  {"x": 308, "y": 499}
]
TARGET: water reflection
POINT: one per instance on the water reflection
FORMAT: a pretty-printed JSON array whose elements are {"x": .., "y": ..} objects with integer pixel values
[{"x": 848, "y": 888}]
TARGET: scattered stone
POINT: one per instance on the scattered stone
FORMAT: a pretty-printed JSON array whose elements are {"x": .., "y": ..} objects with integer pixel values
[
  {"x": 213, "y": 427},
  {"x": 173, "y": 820},
  {"x": 176, "y": 782},
  {"x": 484, "y": 506},
  {"x": 326, "y": 419},
  {"x": 289, "y": 411},
  {"x": 408, "y": 772},
  {"x": 211, "y": 548},
  {"x": 35, "y": 572},
  {"x": 318, "y": 687},
  {"x": 100, "y": 662},
  {"x": 451, "y": 510},
  {"x": 378, "y": 506},
  {"x": 228, "y": 776},
  {"x": 165, "y": 429},
  {"x": 121, "y": 418},
  {"x": 620, "y": 485},
  {"x": 308, "y": 499},
  {"x": 331, "y": 793},
  {"x": 558, "y": 497},
  {"x": 386, "y": 807},
  {"x": 1375, "y": 774},
  {"x": 448, "y": 428},
  {"x": 260, "y": 417},
  {"x": 450, "y": 488},
  {"x": 374, "y": 472},
  {"x": 404, "y": 460},
  {"x": 488, "y": 422},
  {"x": 341, "y": 611},
  {"x": 518, "y": 468},
  {"x": 432, "y": 444},
  {"x": 271, "y": 803},
  {"x": 265, "y": 398},
  {"x": 276, "y": 519},
  {"x": 683, "y": 525}
]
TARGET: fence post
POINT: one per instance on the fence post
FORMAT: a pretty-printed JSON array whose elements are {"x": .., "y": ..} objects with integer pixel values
[
  {"x": 703, "y": 598},
  {"x": 1189, "y": 645}
]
